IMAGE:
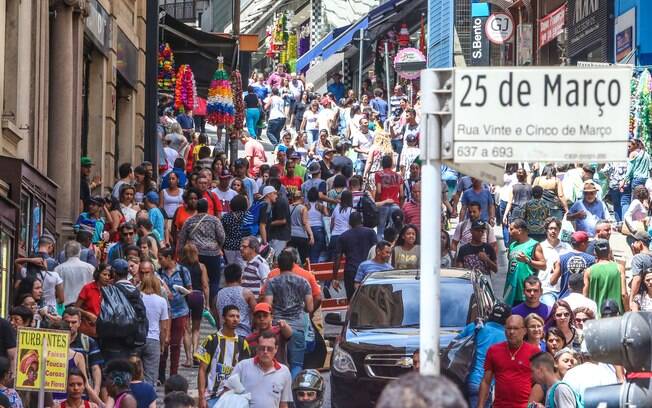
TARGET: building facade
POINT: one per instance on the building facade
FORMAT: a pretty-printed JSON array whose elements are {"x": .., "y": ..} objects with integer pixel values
[{"x": 72, "y": 84}]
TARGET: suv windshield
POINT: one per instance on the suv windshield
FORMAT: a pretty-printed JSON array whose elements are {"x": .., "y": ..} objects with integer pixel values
[{"x": 397, "y": 305}]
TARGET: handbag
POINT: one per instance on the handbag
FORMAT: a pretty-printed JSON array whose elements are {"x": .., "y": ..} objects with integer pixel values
[{"x": 459, "y": 355}]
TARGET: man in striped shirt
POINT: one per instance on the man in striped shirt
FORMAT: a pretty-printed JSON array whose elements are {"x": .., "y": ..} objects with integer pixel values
[{"x": 255, "y": 269}]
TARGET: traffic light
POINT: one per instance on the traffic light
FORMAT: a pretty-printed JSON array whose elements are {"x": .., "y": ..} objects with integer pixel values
[{"x": 625, "y": 341}]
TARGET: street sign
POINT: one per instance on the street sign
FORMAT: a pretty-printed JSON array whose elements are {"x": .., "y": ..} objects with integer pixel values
[
  {"x": 551, "y": 114},
  {"x": 499, "y": 28}
]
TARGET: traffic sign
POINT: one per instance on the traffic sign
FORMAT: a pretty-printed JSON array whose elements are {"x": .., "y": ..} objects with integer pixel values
[
  {"x": 551, "y": 114},
  {"x": 499, "y": 28}
]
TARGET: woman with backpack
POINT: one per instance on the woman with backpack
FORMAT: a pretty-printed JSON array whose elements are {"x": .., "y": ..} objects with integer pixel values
[
  {"x": 553, "y": 192},
  {"x": 197, "y": 299}
]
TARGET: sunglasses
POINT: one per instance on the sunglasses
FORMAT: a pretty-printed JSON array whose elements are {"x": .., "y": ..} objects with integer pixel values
[
  {"x": 307, "y": 394},
  {"x": 265, "y": 349},
  {"x": 580, "y": 320},
  {"x": 563, "y": 314}
]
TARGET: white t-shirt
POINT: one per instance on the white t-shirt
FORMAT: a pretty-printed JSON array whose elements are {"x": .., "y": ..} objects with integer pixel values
[
  {"x": 363, "y": 141},
  {"x": 589, "y": 375},
  {"x": 551, "y": 255},
  {"x": 276, "y": 108},
  {"x": 225, "y": 197},
  {"x": 311, "y": 120},
  {"x": 340, "y": 220},
  {"x": 268, "y": 389},
  {"x": 324, "y": 117},
  {"x": 576, "y": 300},
  {"x": 50, "y": 280},
  {"x": 297, "y": 89},
  {"x": 157, "y": 310},
  {"x": 170, "y": 156}
]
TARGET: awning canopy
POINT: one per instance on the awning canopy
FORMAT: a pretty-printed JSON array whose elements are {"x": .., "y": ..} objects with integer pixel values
[
  {"x": 199, "y": 49},
  {"x": 344, "y": 39}
]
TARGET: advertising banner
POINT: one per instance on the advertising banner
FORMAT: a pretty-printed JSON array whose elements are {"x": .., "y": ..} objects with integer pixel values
[{"x": 42, "y": 353}]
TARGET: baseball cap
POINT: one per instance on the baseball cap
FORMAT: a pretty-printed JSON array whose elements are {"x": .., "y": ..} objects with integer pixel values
[
  {"x": 642, "y": 236},
  {"x": 86, "y": 161},
  {"x": 263, "y": 307},
  {"x": 589, "y": 186},
  {"x": 120, "y": 265},
  {"x": 579, "y": 237},
  {"x": 97, "y": 200},
  {"x": 268, "y": 190},
  {"x": 152, "y": 197},
  {"x": 500, "y": 312},
  {"x": 609, "y": 308},
  {"x": 295, "y": 155},
  {"x": 281, "y": 148},
  {"x": 601, "y": 245},
  {"x": 478, "y": 225},
  {"x": 329, "y": 150},
  {"x": 314, "y": 168},
  {"x": 225, "y": 174},
  {"x": 411, "y": 138}
]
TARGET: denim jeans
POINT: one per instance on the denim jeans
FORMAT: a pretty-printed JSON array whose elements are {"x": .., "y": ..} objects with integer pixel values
[
  {"x": 615, "y": 195},
  {"x": 320, "y": 243},
  {"x": 213, "y": 266},
  {"x": 314, "y": 135},
  {"x": 296, "y": 350},
  {"x": 332, "y": 244},
  {"x": 502, "y": 207},
  {"x": 472, "y": 391},
  {"x": 150, "y": 354},
  {"x": 253, "y": 116},
  {"x": 359, "y": 167},
  {"x": 274, "y": 128},
  {"x": 384, "y": 215}
]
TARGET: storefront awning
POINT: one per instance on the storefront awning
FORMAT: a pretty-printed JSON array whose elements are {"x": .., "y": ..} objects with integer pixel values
[
  {"x": 198, "y": 49},
  {"x": 314, "y": 52},
  {"x": 344, "y": 38}
]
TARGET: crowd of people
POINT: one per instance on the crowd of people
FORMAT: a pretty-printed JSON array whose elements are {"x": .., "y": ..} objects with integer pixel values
[{"x": 233, "y": 241}]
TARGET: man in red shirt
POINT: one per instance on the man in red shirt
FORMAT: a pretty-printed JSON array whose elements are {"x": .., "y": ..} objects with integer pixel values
[
  {"x": 291, "y": 181},
  {"x": 509, "y": 363},
  {"x": 254, "y": 152},
  {"x": 389, "y": 192}
]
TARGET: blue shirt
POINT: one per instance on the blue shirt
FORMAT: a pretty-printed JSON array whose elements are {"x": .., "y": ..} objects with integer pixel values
[
  {"x": 185, "y": 121},
  {"x": 483, "y": 197},
  {"x": 571, "y": 263},
  {"x": 380, "y": 106},
  {"x": 144, "y": 393},
  {"x": 178, "y": 305},
  {"x": 595, "y": 212},
  {"x": 370, "y": 266},
  {"x": 523, "y": 310},
  {"x": 337, "y": 89},
  {"x": 261, "y": 91},
  {"x": 158, "y": 221},
  {"x": 489, "y": 334}
]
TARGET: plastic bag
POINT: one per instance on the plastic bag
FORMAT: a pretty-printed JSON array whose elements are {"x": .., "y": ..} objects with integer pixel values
[
  {"x": 457, "y": 358},
  {"x": 567, "y": 230},
  {"x": 122, "y": 315},
  {"x": 235, "y": 397}
]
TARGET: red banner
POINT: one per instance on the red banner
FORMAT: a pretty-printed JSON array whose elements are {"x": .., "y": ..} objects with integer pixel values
[{"x": 552, "y": 25}]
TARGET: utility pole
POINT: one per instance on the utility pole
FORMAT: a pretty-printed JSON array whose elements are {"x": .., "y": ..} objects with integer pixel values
[
  {"x": 231, "y": 145},
  {"x": 151, "y": 88}
]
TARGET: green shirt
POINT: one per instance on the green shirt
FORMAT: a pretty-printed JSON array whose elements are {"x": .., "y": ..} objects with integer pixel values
[
  {"x": 638, "y": 167},
  {"x": 300, "y": 170},
  {"x": 518, "y": 272},
  {"x": 605, "y": 283}
]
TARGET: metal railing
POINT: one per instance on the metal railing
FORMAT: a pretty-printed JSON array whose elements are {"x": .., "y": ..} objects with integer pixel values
[{"x": 181, "y": 10}]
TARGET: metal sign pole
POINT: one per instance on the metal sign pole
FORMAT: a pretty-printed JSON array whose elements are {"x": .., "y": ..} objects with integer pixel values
[
  {"x": 360, "y": 64},
  {"x": 430, "y": 229},
  {"x": 389, "y": 92},
  {"x": 41, "y": 385}
]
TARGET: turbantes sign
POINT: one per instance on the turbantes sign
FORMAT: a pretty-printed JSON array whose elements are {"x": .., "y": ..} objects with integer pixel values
[
  {"x": 42, "y": 360},
  {"x": 552, "y": 25},
  {"x": 551, "y": 114}
]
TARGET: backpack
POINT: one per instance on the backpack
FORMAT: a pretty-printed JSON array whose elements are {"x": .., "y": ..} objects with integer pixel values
[
  {"x": 122, "y": 316},
  {"x": 367, "y": 206},
  {"x": 550, "y": 398},
  {"x": 251, "y": 220}
]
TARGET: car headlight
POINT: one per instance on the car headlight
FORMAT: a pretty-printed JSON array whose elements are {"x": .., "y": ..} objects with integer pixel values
[{"x": 342, "y": 361}]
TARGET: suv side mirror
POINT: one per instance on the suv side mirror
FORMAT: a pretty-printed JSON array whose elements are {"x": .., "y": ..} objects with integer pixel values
[{"x": 334, "y": 318}]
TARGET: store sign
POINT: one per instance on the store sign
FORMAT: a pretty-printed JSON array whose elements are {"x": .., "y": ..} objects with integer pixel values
[
  {"x": 552, "y": 114},
  {"x": 42, "y": 356},
  {"x": 588, "y": 26},
  {"x": 499, "y": 28},
  {"x": 409, "y": 62},
  {"x": 127, "y": 64},
  {"x": 552, "y": 25},
  {"x": 625, "y": 35},
  {"x": 479, "y": 42},
  {"x": 98, "y": 26},
  {"x": 524, "y": 44}
]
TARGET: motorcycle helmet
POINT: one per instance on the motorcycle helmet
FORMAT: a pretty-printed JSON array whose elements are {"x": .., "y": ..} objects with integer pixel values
[{"x": 308, "y": 380}]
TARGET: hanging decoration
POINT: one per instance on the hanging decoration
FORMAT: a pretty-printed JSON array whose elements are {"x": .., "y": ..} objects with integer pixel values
[
  {"x": 220, "y": 110},
  {"x": 422, "y": 35},
  {"x": 166, "y": 74},
  {"x": 291, "y": 52},
  {"x": 403, "y": 36},
  {"x": 304, "y": 40},
  {"x": 239, "y": 106},
  {"x": 185, "y": 92},
  {"x": 282, "y": 41},
  {"x": 641, "y": 108}
]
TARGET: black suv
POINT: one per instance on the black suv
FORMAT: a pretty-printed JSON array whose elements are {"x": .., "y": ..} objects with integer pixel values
[{"x": 381, "y": 331}]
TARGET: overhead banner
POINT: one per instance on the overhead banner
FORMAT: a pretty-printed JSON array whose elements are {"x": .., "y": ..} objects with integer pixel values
[
  {"x": 625, "y": 35},
  {"x": 589, "y": 27},
  {"x": 34, "y": 361},
  {"x": 551, "y": 114},
  {"x": 552, "y": 25}
]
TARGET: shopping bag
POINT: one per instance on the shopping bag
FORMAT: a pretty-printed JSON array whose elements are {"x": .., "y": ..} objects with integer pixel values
[
  {"x": 567, "y": 230},
  {"x": 458, "y": 356}
]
